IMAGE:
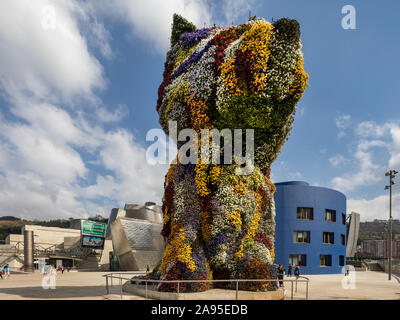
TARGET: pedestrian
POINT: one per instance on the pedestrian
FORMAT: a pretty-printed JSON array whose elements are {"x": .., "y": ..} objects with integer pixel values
[
  {"x": 281, "y": 272},
  {"x": 296, "y": 271},
  {"x": 62, "y": 269},
  {"x": 6, "y": 271},
  {"x": 1, "y": 273},
  {"x": 289, "y": 270}
]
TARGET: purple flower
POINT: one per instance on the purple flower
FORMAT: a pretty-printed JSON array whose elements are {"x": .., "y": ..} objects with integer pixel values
[
  {"x": 194, "y": 58},
  {"x": 190, "y": 39}
]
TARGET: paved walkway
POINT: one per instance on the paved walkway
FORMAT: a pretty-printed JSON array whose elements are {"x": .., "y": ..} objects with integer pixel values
[
  {"x": 70, "y": 285},
  {"x": 91, "y": 286},
  {"x": 369, "y": 285}
]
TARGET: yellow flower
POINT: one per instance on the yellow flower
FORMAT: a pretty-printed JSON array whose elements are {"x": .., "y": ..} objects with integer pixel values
[
  {"x": 178, "y": 249},
  {"x": 235, "y": 219}
]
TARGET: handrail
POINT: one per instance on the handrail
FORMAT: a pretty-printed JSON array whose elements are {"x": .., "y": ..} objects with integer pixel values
[{"x": 112, "y": 276}]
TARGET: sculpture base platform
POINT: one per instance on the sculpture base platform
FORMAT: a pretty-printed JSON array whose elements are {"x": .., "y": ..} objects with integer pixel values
[{"x": 213, "y": 294}]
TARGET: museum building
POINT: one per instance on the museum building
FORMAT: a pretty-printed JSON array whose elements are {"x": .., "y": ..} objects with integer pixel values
[{"x": 310, "y": 228}]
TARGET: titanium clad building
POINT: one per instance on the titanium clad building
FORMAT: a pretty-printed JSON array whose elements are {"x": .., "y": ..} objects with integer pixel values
[{"x": 310, "y": 228}]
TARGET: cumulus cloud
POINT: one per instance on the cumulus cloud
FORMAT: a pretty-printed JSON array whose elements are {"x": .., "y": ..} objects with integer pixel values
[
  {"x": 342, "y": 123},
  {"x": 337, "y": 160},
  {"x": 235, "y": 9},
  {"x": 368, "y": 172},
  {"x": 56, "y": 158},
  {"x": 42, "y": 169},
  {"x": 43, "y": 53},
  {"x": 375, "y": 208},
  {"x": 368, "y": 129},
  {"x": 151, "y": 20}
]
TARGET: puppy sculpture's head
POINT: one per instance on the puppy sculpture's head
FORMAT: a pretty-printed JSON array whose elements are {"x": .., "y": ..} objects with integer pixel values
[{"x": 249, "y": 76}]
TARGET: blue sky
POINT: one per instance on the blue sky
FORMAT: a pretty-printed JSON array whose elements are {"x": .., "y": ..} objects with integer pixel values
[{"x": 78, "y": 89}]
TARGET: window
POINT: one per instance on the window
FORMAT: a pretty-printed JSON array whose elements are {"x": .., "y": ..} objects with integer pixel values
[
  {"x": 341, "y": 261},
  {"x": 342, "y": 239},
  {"x": 304, "y": 213},
  {"x": 343, "y": 218},
  {"x": 330, "y": 215},
  {"x": 328, "y": 237},
  {"x": 325, "y": 260},
  {"x": 297, "y": 260},
  {"x": 301, "y": 236}
]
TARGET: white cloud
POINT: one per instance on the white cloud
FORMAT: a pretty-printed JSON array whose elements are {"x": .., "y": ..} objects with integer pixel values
[
  {"x": 43, "y": 53},
  {"x": 369, "y": 172},
  {"x": 337, "y": 160},
  {"x": 394, "y": 162},
  {"x": 59, "y": 161},
  {"x": 151, "y": 20},
  {"x": 376, "y": 208},
  {"x": 237, "y": 8},
  {"x": 368, "y": 129},
  {"x": 342, "y": 123},
  {"x": 41, "y": 167},
  {"x": 295, "y": 175},
  {"x": 104, "y": 115}
]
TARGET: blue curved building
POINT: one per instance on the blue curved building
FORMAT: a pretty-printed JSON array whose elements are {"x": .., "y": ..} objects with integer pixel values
[{"x": 310, "y": 227}]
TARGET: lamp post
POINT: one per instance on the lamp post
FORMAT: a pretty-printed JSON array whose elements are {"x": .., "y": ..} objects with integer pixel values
[{"x": 391, "y": 174}]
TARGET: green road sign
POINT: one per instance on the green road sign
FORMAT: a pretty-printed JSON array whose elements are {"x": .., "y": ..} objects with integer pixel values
[{"x": 93, "y": 228}]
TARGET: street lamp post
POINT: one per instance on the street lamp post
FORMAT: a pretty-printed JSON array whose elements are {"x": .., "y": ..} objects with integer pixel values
[{"x": 391, "y": 174}]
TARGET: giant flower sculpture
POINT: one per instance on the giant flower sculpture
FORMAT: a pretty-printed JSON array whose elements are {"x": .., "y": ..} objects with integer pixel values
[{"x": 218, "y": 224}]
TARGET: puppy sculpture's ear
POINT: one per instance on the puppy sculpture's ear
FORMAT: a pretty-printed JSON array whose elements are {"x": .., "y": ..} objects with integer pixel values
[{"x": 180, "y": 26}]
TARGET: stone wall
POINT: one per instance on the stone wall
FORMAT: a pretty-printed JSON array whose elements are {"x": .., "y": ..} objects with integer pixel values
[{"x": 48, "y": 236}]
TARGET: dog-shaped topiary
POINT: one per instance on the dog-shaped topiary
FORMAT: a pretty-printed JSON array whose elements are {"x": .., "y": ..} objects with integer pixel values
[{"x": 219, "y": 224}]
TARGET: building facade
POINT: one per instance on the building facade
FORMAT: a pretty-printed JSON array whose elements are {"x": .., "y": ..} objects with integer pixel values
[
  {"x": 379, "y": 249},
  {"x": 136, "y": 236},
  {"x": 310, "y": 228}
]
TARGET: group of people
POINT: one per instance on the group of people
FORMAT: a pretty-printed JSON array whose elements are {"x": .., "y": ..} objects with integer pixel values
[
  {"x": 4, "y": 272},
  {"x": 281, "y": 272},
  {"x": 60, "y": 268}
]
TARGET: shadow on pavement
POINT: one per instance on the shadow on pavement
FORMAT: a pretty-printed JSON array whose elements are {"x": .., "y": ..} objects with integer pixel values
[{"x": 61, "y": 292}]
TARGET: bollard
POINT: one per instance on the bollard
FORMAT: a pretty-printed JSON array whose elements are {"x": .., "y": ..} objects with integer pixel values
[
  {"x": 291, "y": 292},
  {"x": 108, "y": 290},
  {"x": 120, "y": 283},
  {"x": 307, "y": 291},
  {"x": 237, "y": 290}
]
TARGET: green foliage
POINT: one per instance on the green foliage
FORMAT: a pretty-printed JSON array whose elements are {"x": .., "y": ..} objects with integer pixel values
[
  {"x": 289, "y": 29},
  {"x": 373, "y": 230},
  {"x": 180, "y": 26}
]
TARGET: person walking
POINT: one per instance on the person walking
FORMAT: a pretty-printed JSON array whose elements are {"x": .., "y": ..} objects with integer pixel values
[
  {"x": 6, "y": 271},
  {"x": 289, "y": 270},
  {"x": 297, "y": 271},
  {"x": 281, "y": 273}
]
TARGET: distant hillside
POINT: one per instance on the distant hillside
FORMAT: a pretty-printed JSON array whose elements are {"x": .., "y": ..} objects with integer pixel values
[
  {"x": 373, "y": 230},
  {"x": 9, "y": 218},
  {"x": 14, "y": 225}
]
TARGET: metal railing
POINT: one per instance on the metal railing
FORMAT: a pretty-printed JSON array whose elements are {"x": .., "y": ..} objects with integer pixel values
[
  {"x": 109, "y": 282},
  {"x": 55, "y": 249}
]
